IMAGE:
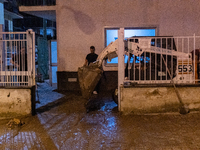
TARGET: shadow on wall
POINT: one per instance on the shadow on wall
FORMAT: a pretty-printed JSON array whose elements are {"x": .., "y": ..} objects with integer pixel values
[{"x": 84, "y": 22}]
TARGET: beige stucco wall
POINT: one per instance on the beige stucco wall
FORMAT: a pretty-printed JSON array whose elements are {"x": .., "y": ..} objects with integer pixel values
[
  {"x": 15, "y": 102},
  {"x": 140, "y": 100},
  {"x": 81, "y": 24}
]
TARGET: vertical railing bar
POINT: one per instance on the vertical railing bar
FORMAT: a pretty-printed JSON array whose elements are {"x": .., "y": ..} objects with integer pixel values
[
  {"x": 12, "y": 46},
  {"x": 33, "y": 57},
  {"x": 19, "y": 57},
  {"x": 6, "y": 53},
  {"x": 23, "y": 59},
  {"x": 161, "y": 47},
  {"x": 194, "y": 57},
  {"x": 188, "y": 73},
  {"x": 156, "y": 44},
  {"x": 144, "y": 66},
  {"x": 134, "y": 61},
  {"x": 25, "y": 55},
  {"x": 23, "y": 62},
  {"x": 120, "y": 63},
  {"x": 17, "y": 50},
  {"x": 3, "y": 44},
  {"x": 26, "y": 51},
  {"x": 5, "y": 61},
  {"x": 129, "y": 48},
  {"x": 178, "y": 47},
  {"x": 26, "y": 61},
  {"x": 177, "y": 58},
  {"x": 198, "y": 60},
  {"x": 15, "y": 57},
  {"x": 14, "y": 53},
  {"x": 2, "y": 54},
  {"x": 182, "y": 58},
  {"x": 1, "y": 58},
  {"x": 139, "y": 68},
  {"x": 9, "y": 66},
  {"x": 150, "y": 67},
  {"x": 128, "y": 61},
  {"x": 166, "y": 59}
]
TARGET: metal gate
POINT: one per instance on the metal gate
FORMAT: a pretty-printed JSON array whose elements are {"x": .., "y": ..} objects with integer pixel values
[
  {"x": 157, "y": 60},
  {"x": 17, "y": 58}
]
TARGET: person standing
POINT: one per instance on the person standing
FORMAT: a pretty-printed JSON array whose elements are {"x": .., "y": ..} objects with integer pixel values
[{"x": 90, "y": 58}]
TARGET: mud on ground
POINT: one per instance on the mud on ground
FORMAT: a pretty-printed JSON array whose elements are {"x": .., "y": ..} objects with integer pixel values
[{"x": 67, "y": 124}]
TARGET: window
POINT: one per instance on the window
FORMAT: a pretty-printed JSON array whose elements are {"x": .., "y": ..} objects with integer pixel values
[{"x": 112, "y": 35}]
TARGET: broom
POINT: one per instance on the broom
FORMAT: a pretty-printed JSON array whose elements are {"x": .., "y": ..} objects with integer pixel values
[{"x": 183, "y": 109}]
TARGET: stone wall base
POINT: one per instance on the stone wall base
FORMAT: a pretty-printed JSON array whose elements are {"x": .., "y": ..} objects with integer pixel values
[
  {"x": 141, "y": 100},
  {"x": 18, "y": 101}
]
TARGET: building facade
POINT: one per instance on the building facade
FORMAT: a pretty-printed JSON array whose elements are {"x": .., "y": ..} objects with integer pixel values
[{"x": 81, "y": 24}]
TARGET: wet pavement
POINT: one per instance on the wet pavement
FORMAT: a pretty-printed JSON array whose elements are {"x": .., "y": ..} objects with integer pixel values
[{"x": 69, "y": 122}]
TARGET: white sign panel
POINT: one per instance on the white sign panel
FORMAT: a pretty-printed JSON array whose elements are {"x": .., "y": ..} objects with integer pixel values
[{"x": 145, "y": 43}]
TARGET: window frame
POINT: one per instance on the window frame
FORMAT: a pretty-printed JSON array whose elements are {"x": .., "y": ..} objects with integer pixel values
[{"x": 105, "y": 64}]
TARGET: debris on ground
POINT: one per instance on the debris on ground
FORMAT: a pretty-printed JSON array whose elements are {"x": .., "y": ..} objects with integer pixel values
[
  {"x": 14, "y": 123},
  {"x": 93, "y": 104}
]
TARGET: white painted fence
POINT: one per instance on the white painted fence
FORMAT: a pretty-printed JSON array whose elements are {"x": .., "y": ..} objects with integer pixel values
[
  {"x": 154, "y": 60},
  {"x": 17, "y": 58}
]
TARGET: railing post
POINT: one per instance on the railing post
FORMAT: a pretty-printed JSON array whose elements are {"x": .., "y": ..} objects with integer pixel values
[
  {"x": 1, "y": 36},
  {"x": 31, "y": 56},
  {"x": 120, "y": 63},
  {"x": 1, "y": 53}
]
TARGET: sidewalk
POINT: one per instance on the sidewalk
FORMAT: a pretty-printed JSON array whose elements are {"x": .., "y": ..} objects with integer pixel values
[{"x": 45, "y": 94}]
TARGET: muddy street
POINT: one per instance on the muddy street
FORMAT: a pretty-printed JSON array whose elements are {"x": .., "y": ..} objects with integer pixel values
[{"x": 69, "y": 123}]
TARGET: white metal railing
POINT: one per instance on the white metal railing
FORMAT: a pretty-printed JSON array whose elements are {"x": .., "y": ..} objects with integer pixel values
[
  {"x": 154, "y": 59},
  {"x": 17, "y": 58}
]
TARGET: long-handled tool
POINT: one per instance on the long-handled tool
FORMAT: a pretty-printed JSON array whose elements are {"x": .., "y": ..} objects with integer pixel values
[{"x": 183, "y": 109}]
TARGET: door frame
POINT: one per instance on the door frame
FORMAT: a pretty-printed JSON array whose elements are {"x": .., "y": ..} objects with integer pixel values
[{"x": 51, "y": 64}]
